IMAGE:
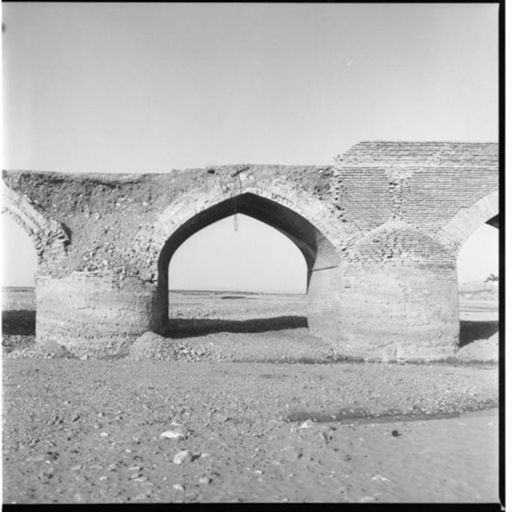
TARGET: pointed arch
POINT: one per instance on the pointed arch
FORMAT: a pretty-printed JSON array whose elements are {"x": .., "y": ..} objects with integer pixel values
[
  {"x": 305, "y": 223},
  {"x": 467, "y": 221},
  {"x": 313, "y": 210}
]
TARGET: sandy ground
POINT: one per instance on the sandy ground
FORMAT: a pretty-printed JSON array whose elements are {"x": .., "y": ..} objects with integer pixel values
[{"x": 90, "y": 431}]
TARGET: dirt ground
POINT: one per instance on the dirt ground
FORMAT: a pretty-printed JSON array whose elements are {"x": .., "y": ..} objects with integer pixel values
[{"x": 268, "y": 428}]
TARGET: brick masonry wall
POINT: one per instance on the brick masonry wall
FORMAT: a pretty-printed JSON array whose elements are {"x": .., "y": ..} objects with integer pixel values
[
  {"x": 389, "y": 218},
  {"x": 423, "y": 184}
]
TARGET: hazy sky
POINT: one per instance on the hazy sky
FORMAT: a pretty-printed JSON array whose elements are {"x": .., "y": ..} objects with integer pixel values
[{"x": 151, "y": 87}]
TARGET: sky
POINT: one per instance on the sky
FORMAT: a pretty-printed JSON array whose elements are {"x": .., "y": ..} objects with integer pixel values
[{"x": 141, "y": 87}]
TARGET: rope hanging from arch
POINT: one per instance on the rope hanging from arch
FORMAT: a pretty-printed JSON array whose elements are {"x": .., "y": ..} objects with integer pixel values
[{"x": 235, "y": 194}]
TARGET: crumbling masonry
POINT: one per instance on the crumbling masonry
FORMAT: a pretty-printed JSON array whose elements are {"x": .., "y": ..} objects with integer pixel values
[{"x": 380, "y": 231}]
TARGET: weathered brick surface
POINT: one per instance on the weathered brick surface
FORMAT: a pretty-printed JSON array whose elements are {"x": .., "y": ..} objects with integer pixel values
[
  {"x": 387, "y": 216},
  {"x": 50, "y": 238},
  {"x": 397, "y": 298},
  {"x": 92, "y": 315}
]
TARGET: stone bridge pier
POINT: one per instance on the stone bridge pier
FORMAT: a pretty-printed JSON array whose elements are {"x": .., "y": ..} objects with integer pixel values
[{"x": 379, "y": 230}]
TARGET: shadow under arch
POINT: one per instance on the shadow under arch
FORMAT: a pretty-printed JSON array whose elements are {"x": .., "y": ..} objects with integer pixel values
[
  {"x": 18, "y": 298},
  {"x": 460, "y": 228},
  {"x": 317, "y": 250}
]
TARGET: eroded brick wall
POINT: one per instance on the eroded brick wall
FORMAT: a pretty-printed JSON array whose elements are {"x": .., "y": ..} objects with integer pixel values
[{"x": 389, "y": 214}]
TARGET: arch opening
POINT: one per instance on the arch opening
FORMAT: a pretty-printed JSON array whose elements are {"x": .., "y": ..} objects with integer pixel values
[
  {"x": 18, "y": 286},
  {"x": 316, "y": 250},
  {"x": 236, "y": 275},
  {"x": 478, "y": 280},
  {"x": 238, "y": 254}
]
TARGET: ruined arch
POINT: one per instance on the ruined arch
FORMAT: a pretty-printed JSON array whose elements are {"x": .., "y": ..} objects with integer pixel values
[
  {"x": 468, "y": 220},
  {"x": 48, "y": 235},
  {"x": 189, "y": 217}
]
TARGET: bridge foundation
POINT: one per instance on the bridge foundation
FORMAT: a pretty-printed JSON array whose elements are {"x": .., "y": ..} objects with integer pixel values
[
  {"x": 373, "y": 312},
  {"x": 97, "y": 316},
  {"x": 394, "y": 313},
  {"x": 396, "y": 298}
]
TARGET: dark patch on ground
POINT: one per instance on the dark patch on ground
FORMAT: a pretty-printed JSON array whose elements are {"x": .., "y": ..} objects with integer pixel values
[{"x": 363, "y": 416}]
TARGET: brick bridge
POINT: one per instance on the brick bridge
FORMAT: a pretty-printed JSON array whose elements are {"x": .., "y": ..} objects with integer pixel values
[{"x": 380, "y": 231}]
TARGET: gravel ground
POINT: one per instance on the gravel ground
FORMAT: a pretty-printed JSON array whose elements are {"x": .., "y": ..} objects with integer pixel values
[{"x": 89, "y": 431}]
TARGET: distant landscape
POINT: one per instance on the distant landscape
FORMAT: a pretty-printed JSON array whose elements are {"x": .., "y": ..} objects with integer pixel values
[{"x": 468, "y": 287}]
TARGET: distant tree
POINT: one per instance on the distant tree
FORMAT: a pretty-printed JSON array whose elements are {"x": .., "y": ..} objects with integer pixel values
[{"x": 492, "y": 277}]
